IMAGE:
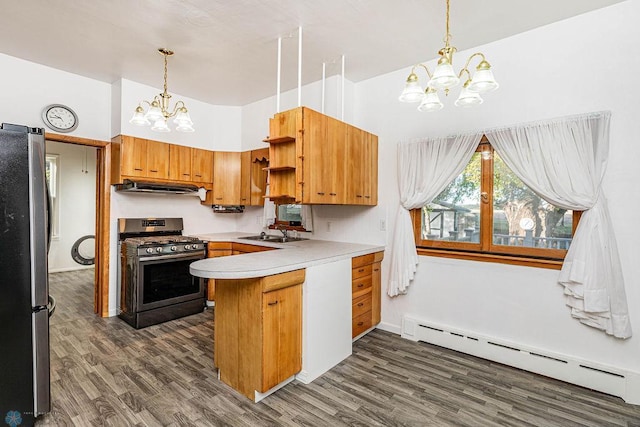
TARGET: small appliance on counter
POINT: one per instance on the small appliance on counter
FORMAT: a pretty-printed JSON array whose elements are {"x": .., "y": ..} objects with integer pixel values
[{"x": 25, "y": 304}]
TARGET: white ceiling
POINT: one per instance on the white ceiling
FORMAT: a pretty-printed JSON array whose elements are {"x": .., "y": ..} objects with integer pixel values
[{"x": 226, "y": 49}]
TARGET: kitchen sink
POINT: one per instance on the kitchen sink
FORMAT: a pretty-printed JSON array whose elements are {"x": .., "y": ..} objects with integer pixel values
[{"x": 274, "y": 239}]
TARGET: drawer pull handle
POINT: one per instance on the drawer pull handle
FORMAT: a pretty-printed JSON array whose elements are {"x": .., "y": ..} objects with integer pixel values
[
  {"x": 332, "y": 194},
  {"x": 137, "y": 169},
  {"x": 320, "y": 194},
  {"x": 361, "y": 304},
  {"x": 153, "y": 170},
  {"x": 360, "y": 285},
  {"x": 360, "y": 323},
  {"x": 361, "y": 270},
  {"x": 272, "y": 303},
  {"x": 376, "y": 269}
]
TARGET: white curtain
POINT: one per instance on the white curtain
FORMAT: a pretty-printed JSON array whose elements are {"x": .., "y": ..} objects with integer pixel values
[
  {"x": 425, "y": 168},
  {"x": 563, "y": 161},
  {"x": 307, "y": 217}
]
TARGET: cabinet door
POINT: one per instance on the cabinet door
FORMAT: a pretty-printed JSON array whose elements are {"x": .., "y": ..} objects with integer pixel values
[
  {"x": 258, "y": 185},
  {"x": 202, "y": 165},
  {"x": 282, "y": 335},
  {"x": 157, "y": 160},
  {"x": 226, "y": 186},
  {"x": 245, "y": 178},
  {"x": 371, "y": 178},
  {"x": 133, "y": 156},
  {"x": 316, "y": 164},
  {"x": 376, "y": 292},
  {"x": 355, "y": 173},
  {"x": 179, "y": 163}
]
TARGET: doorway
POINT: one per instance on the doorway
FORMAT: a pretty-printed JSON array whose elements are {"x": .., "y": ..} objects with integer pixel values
[{"x": 101, "y": 151}]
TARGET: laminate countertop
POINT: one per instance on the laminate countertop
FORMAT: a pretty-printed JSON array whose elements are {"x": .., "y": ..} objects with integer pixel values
[{"x": 289, "y": 256}]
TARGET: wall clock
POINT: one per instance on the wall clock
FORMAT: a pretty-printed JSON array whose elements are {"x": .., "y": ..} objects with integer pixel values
[{"x": 59, "y": 118}]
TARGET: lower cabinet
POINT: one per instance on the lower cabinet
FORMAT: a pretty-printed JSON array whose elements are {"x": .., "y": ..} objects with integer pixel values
[
  {"x": 218, "y": 249},
  {"x": 366, "y": 292},
  {"x": 258, "y": 331}
]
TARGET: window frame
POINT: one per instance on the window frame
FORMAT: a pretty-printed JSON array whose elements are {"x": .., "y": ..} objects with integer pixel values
[
  {"x": 485, "y": 250},
  {"x": 285, "y": 225}
]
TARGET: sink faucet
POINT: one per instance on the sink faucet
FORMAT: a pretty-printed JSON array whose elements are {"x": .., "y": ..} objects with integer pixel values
[{"x": 283, "y": 230}]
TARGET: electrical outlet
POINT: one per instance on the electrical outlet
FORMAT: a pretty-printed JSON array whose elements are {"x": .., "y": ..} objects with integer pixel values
[{"x": 383, "y": 225}]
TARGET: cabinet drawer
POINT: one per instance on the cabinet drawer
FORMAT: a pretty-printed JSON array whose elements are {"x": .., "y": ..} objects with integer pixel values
[
  {"x": 359, "y": 261},
  {"x": 360, "y": 324},
  {"x": 219, "y": 245},
  {"x": 213, "y": 253},
  {"x": 361, "y": 271},
  {"x": 361, "y": 286},
  {"x": 361, "y": 305}
]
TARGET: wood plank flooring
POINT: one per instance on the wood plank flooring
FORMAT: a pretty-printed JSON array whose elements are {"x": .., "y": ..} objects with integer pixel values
[{"x": 105, "y": 373}]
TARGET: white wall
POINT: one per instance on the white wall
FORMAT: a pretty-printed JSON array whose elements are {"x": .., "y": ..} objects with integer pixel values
[
  {"x": 76, "y": 201},
  {"x": 27, "y": 88},
  {"x": 582, "y": 64},
  {"x": 217, "y": 127}
]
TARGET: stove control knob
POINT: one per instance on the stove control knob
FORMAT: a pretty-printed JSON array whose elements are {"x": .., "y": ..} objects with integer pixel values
[
  {"x": 194, "y": 247},
  {"x": 149, "y": 250},
  {"x": 173, "y": 248},
  {"x": 187, "y": 247},
  {"x": 159, "y": 249}
]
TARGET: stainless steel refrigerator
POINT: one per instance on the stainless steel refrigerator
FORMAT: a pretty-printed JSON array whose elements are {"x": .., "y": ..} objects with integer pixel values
[{"x": 25, "y": 305}]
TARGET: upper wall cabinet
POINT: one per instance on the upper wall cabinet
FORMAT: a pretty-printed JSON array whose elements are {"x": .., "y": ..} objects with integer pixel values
[
  {"x": 316, "y": 159},
  {"x": 239, "y": 178},
  {"x": 142, "y": 159}
]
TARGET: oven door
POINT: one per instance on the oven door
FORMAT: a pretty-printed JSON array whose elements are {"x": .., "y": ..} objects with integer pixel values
[{"x": 165, "y": 280}]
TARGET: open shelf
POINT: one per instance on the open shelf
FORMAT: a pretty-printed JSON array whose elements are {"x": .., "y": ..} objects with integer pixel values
[{"x": 279, "y": 140}]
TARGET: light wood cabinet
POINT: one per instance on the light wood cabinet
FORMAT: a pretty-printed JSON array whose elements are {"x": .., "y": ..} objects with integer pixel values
[
  {"x": 180, "y": 163},
  {"x": 254, "y": 170},
  {"x": 316, "y": 159},
  {"x": 226, "y": 185},
  {"x": 140, "y": 159},
  {"x": 218, "y": 249},
  {"x": 366, "y": 292},
  {"x": 258, "y": 331},
  {"x": 240, "y": 178},
  {"x": 202, "y": 166}
]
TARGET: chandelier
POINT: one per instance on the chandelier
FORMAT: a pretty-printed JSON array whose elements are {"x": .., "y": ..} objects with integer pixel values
[
  {"x": 445, "y": 78},
  {"x": 158, "y": 111}
]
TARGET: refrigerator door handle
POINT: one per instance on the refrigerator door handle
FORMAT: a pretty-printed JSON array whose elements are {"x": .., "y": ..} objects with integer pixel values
[{"x": 51, "y": 306}]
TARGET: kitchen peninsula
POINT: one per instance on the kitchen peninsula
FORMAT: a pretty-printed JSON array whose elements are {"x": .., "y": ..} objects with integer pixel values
[{"x": 283, "y": 314}]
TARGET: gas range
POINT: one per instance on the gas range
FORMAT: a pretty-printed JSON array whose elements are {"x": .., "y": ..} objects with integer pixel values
[{"x": 172, "y": 244}]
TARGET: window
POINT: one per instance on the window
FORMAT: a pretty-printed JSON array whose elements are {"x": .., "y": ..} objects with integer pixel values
[
  {"x": 488, "y": 213},
  {"x": 53, "y": 184},
  {"x": 288, "y": 216}
]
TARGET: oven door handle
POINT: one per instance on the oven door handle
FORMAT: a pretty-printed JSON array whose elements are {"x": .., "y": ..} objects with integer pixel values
[{"x": 194, "y": 255}]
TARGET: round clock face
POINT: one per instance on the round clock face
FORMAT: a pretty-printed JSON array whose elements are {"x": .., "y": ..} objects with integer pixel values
[{"x": 60, "y": 118}]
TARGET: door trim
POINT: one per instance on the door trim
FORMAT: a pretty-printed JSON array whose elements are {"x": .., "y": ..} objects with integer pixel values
[{"x": 103, "y": 216}]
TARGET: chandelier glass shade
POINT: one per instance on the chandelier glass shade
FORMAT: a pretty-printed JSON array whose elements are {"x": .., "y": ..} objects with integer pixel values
[
  {"x": 158, "y": 111},
  {"x": 444, "y": 78}
]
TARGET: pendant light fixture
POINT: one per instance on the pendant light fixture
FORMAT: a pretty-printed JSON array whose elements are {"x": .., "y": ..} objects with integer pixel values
[
  {"x": 158, "y": 112},
  {"x": 445, "y": 78}
]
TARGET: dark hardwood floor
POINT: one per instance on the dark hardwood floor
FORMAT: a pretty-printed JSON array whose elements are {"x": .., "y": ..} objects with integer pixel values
[{"x": 104, "y": 372}]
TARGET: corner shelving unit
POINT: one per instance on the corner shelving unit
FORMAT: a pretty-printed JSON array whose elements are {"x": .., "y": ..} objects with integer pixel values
[{"x": 282, "y": 169}]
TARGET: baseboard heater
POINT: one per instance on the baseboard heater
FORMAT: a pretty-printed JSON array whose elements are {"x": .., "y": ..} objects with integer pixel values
[{"x": 607, "y": 379}]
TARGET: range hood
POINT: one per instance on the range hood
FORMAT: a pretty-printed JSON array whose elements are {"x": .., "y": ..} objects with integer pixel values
[{"x": 157, "y": 187}]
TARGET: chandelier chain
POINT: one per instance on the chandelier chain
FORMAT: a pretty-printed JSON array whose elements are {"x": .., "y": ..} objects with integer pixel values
[
  {"x": 165, "y": 72},
  {"x": 447, "y": 34}
]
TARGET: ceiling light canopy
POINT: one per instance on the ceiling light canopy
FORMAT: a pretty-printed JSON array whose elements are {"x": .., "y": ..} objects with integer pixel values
[
  {"x": 158, "y": 112},
  {"x": 445, "y": 78}
]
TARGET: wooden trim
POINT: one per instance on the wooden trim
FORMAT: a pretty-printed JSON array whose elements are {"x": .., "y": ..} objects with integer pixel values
[
  {"x": 485, "y": 257},
  {"x": 103, "y": 216},
  {"x": 75, "y": 140}
]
